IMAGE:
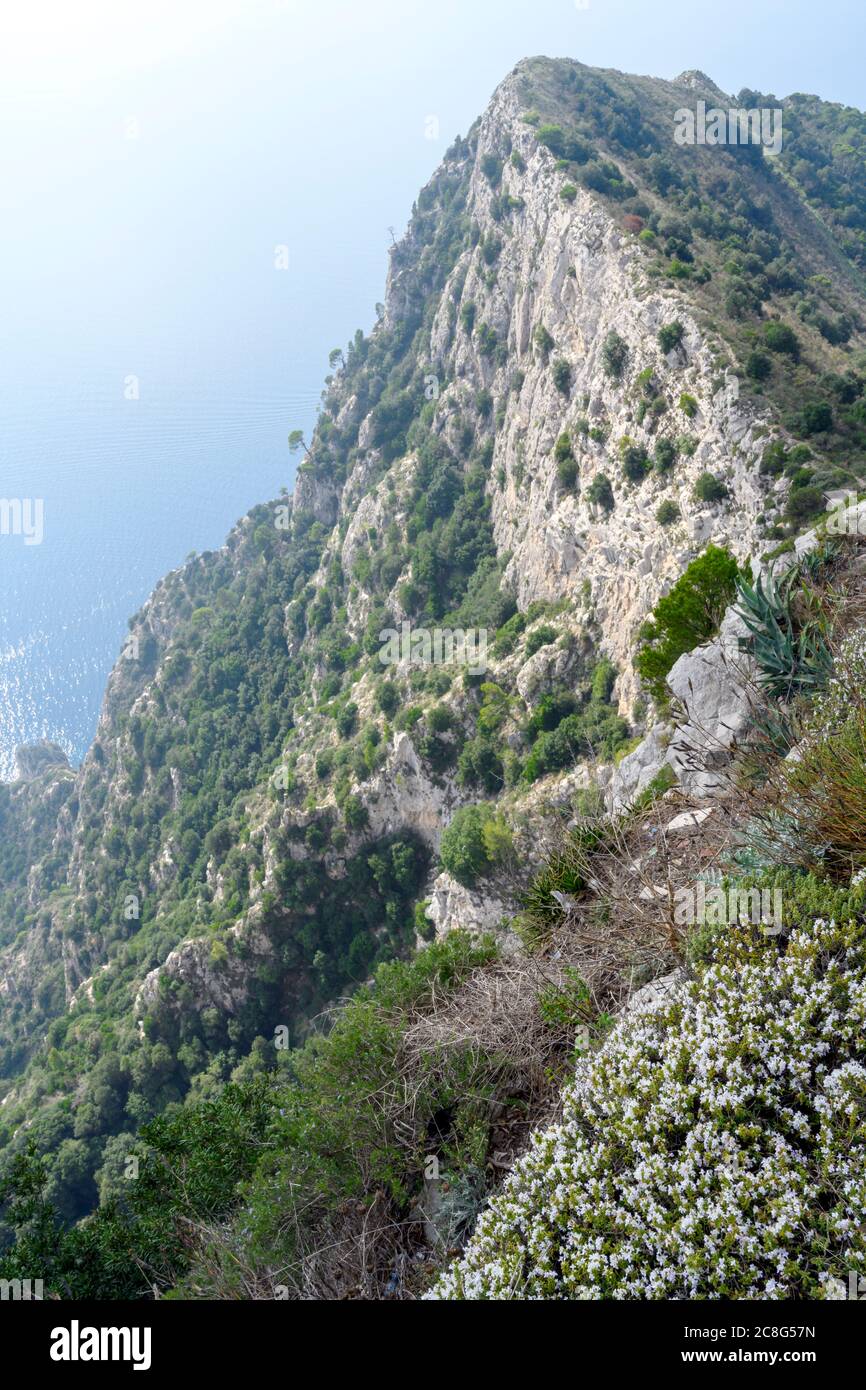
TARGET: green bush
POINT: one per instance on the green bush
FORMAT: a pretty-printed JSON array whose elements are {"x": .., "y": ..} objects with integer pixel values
[
  {"x": 665, "y": 455},
  {"x": 635, "y": 460},
  {"x": 541, "y": 637},
  {"x": 600, "y": 493},
  {"x": 566, "y": 471},
  {"x": 816, "y": 418},
  {"x": 562, "y": 449},
  {"x": 688, "y": 405},
  {"x": 491, "y": 168},
  {"x": 667, "y": 514},
  {"x": 686, "y": 617},
  {"x": 614, "y": 355},
  {"x": 561, "y": 373},
  {"x": 480, "y": 765},
  {"x": 189, "y": 1167},
  {"x": 388, "y": 698},
  {"x": 594, "y": 733},
  {"x": 670, "y": 336},
  {"x": 778, "y": 337},
  {"x": 475, "y": 841},
  {"x": 758, "y": 366},
  {"x": 543, "y": 341},
  {"x": 346, "y": 720},
  {"x": 562, "y": 732},
  {"x": 709, "y": 488},
  {"x": 804, "y": 503}
]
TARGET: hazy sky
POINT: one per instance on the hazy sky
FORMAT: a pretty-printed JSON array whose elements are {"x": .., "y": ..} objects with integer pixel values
[
  {"x": 153, "y": 155},
  {"x": 269, "y": 122}
]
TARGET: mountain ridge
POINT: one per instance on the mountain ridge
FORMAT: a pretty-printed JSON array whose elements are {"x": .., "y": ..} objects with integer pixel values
[{"x": 582, "y": 325}]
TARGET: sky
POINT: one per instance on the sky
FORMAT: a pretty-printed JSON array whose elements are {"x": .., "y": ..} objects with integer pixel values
[{"x": 153, "y": 357}]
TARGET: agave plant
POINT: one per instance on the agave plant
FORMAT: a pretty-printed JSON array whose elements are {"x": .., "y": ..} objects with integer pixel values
[{"x": 792, "y": 658}]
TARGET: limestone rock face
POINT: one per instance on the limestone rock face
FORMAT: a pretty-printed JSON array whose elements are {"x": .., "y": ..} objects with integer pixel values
[
  {"x": 638, "y": 768},
  {"x": 715, "y": 688},
  {"x": 220, "y": 980},
  {"x": 452, "y": 906},
  {"x": 569, "y": 268},
  {"x": 402, "y": 796}
]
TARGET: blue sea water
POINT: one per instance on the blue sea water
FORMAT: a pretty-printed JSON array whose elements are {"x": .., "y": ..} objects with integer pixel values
[{"x": 128, "y": 488}]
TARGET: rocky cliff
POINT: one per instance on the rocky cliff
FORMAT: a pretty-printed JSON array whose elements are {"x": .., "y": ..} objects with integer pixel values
[{"x": 600, "y": 352}]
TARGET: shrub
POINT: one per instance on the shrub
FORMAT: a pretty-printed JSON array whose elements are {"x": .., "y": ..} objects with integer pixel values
[
  {"x": 603, "y": 680},
  {"x": 688, "y": 405},
  {"x": 708, "y": 488},
  {"x": 491, "y": 168},
  {"x": 543, "y": 341},
  {"x": 568, "y": 193},
  {"x": 614, "y": 354},
  {"x": 686, "y": 617},
  {"x": 657, "y": 1184},
  {"x": 665, "y": 455},
  {"x": 635, "y": 460},
  {"x": 567, "y": 472},
  {"x": 805, "y": 502},
  {"x": 439, "y": 719},
  {"x": 562, "y": 449},
  {"x": 191, "y": 1164},
  {"x": 817, "y": 417},
  {"x": 480, "y": 765},
  {"x": 550, "y": 711},
  {"x": 388, "y": 698},
  {"x": 346, "y": 720},
  {"x": 486, "y": 339},
  {"x": 541, "y": 637},
  {"x": 475, "y": 841},
  {"x": 562, "y": 376},
  {"x": 758, "y": 366},
  {"x": 774, "y": 458},
  {"x": 554, "y": 137},
  {"x": 670, "y": 336},
  {"x": 778, "y": 337},
  {"x": 824, "y": 788},
  {"x": 596, "y": 732},
  {"x": 600, "y": 493},
  {"x": 667, "y": 514}
]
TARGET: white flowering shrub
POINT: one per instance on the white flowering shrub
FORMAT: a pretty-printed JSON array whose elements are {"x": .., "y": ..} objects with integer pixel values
[
  {"x": 833, "y": 708},
  {"x": 713, "y": 1149}
]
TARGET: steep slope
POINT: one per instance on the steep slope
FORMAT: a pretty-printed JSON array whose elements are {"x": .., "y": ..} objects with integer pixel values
[{"x": 599, "y": 351}]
